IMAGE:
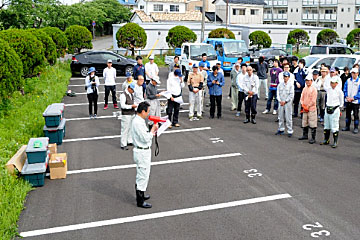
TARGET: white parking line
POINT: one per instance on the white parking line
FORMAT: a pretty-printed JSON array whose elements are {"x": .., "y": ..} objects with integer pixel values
[
  {"x": 118, "y": 136},
  {"x": 104, "y": 117},
  {"x": 84, "y": 93},
  {"x": 81, "y": 104},
  {"x": 83, "y": 85},
  {"x": 157, "y": 215},
  {"x": 83, "y": 78}
]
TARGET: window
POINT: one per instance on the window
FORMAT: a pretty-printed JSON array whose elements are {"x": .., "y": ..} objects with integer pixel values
[
  {"x": 238, "y": 11},
  {"x": 341, "y": 25},
  {"x": 291, "y": 10},
  {"x": 329, "y": 11},
  {"x": 141, "y": 7},
  {"x": 174, "y": 8},
  {"x": 186, "y": 51},
  {"x": 197, "y": 8},
  {"x": 297, "y": 10},
  {"x": 342, "y": 10},
  {"x": 158, "y": 8},
  {"x": 348, "y": 26},
  {"x": 349, "y": 51},
  {"x": 348, "y": 9},
  {"x": 254, "y": 12}
]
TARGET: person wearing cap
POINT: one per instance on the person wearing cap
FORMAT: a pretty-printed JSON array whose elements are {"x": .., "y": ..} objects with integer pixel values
[
  {"x": 262, "y": 71},
  {"x": 274, "y": 81},
  {"x": 109, "y": 75},
  {"x": 319, "y": 85},
  {"x": 152, "y": 95},
  {"x": 239, "y": 61},
  {"x": 151, "y": 69},
  {"x": 299, "y": 84},
  {"x": 234, "y": 89},
  {"x": 127, "y": 82},
  {"x": 285, "y": 96},
  {"x": 127, "y": 113},
  {"x": 206, "y": 63},
  {"x": 215, "y": 83},
  {"x": 315, "y": 74},
  {"x": 250, "y": 86},
  {"x": 139, "y": 70},
  {"x": 205, "y": 75},
  {"x": 91, "y": 84},
  {"x": 142, "y": 140},
  {"x": 308, "y": 102},
  {"x": 172, "y": 65},
  {"x": 174, "y": 85},
  {"x": 334, "y": 101},
  {"x": 195, "y": 84},
  {"x": 240, "y": 82},
  {"x": 333, "y": 74},
  {"x": 176, "y": 66},
  {"x": 352, "y": 97}
]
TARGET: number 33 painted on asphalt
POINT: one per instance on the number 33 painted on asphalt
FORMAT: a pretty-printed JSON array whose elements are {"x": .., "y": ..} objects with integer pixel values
[
  {"x": 309, "y": 227},
  {"x": 253, "y": 173}
]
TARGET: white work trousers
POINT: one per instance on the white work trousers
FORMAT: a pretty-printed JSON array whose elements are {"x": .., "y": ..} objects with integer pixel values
[
  {"x": 154, "y": 109},
  {"x": 285, "y": 114},
  {"x": 125, "y": 130},
  {"x": 263, "y": 82},
  {"x": 142, "y": 158},
  {"x": 195, "y": 100},
  {"x": 331, "y": 121},
  {"x": 234, "y": 97}
]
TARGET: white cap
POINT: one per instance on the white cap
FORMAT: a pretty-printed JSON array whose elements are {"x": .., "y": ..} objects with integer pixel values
[
  {"x": 309, "y": 77},
  {"x": 334, "y": 80},
  {"x": 354, "y": 70},
  {"x": 151, "y": 57},
  {"x": 156, "y": 79},
  {"x": 109, "y": 61}
]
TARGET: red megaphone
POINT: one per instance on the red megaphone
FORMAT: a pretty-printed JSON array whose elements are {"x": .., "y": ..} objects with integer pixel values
[{"x": 156, "y": 119}]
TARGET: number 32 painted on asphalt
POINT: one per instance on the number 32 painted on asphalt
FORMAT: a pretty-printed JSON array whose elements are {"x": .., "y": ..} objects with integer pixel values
[
  {"x": 310, "y": 227},
  {"x": 253, "y": 173}
]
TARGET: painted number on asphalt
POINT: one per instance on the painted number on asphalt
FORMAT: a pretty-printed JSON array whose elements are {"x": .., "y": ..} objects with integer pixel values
[
  {"x": 314, "y": 227},
  {"x": 252, "y": 173},
  {"x": 216, "y": 140}
]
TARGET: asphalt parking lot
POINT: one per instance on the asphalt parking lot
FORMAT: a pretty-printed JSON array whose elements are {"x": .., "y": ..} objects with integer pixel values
[{"x": 213, "y": 179}]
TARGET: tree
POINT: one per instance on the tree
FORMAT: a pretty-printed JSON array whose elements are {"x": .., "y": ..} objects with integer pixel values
[
  {"x": 48, "y": 44},
  {"x": 59, "y": 39},
  {"x": 11, "y": 70},
  {"x": 179, "y": 35},
  {"x": 131, "y": 36},
  {"x": 353, "y": 38},
  {"x": 260, "y": 39},
  {"x": 298, "y": 37},
  {"x": 29, "y": 49},
  {"x": 78, "y": 38},
  {"x": 222, "y": 33},
  {"x": 326, "y": 37}
]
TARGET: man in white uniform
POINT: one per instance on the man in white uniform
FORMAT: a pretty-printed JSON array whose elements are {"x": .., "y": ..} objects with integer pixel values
[
  {"x": 151, "y": 69},
  {"x": 285, "y": 96},
  {"x": 109, "y": 75},
  {"x": 139, "y": 90},
  {"x": 142, "y": 139},
  {"x": 127, "y": 114}
]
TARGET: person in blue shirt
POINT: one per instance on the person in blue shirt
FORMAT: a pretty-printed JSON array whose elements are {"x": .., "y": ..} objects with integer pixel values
[
  {"x": 205, "y": 62},
  {"x": 215, "y": 83},
  {"x": 139, "y": 69},
  {"x": 300, "y": 75}
]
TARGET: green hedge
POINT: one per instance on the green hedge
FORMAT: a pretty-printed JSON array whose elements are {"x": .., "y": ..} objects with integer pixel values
[
  {"x": 29, "y": 49},
  {"x": 221, "y": 33},
  {"x": 11, "y": 71},
  {"x": 59, "y": 39},
  {"x": 179, "y": 35},
  {"x": 48, "y": 43},
  {"x": 78, "y": 37},
  {"x": 23, "y": 121}
]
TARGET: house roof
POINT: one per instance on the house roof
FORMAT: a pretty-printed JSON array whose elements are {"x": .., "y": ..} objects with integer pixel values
[
  {"x": 250, "y": 2},
  {"x": 143, "y": 17},
  {"x": 211, "y": 17},
  {"x": 169, "y": 17}
]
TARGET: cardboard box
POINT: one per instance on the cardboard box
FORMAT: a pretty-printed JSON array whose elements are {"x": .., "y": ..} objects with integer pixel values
[
  {"x": 17, "y": 161},
  {"x": 52, "y": 148},
  {"x": 58, "y": 166}
]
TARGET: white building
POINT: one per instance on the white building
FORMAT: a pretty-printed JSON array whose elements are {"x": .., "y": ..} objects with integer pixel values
[{"x": 340, "y": 15}]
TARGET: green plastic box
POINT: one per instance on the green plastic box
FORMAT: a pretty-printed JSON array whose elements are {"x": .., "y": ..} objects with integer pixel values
[
  {"x": 56, "y": 134},
  {"x": 35, "y": 173},
  {"x": 36, "y": 150},
  {"x": 53, "y": 114}
]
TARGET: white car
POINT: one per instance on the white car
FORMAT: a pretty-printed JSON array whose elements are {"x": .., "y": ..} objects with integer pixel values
[{"x": 313, "y": 62}]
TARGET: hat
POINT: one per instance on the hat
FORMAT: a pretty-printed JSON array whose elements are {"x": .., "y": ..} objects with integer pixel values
[
  {"x": 237, "y": 64},
  {"x": 195, "y": 66},
  {"x": 177, "y": 65},
  {"x": 332, "y": 69},
  {"x": 92, "y": 69},
  {"x": 316, "y": 72},
  {"x": 128, "y": 75},
  {"x": 286, "y": 74},
  {"x": 324, "y": 69},
  {"x": 354, "y": 70},
  {"x": 151, "y": 57},
  {"x": 334, "y": 80},
  {"x": 201, "y": 64},
  {"x": 177, "y": 72},
  {"x": 109, "y": 61},
  {"x": 156, "y": 79},
  {"x": 309, "y": 77},
  {"x": 132, "y": 86}
]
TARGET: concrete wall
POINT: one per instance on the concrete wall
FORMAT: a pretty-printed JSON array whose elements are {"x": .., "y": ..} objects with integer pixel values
[{"x": 240, "y": 19}]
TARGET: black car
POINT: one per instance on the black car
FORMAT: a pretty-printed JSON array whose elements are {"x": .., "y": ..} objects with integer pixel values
[
  {"x": 270, "y": 54},
  {"x": 98, "y": 59}
]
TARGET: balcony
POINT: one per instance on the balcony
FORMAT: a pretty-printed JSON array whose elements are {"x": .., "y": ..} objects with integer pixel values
[
  {"x": 321, "y": 17},
  {"x": 321, "y": 3},
  {"x": 275, "y": 17},
  {"x": 276, "y": 3}
]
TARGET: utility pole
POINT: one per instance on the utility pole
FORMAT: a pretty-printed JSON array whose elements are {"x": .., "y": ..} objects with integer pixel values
[
  {"x": 203, "y": 21},
  {"x": 227, "y": 13}
]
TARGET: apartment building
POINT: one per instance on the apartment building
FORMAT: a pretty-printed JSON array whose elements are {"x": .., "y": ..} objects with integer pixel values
[{"x": 340, "y": 15}]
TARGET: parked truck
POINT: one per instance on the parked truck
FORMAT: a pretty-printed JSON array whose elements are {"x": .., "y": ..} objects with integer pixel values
[
  {"x": 228, "y": 51},
  {"x": 191, "y": 53}
]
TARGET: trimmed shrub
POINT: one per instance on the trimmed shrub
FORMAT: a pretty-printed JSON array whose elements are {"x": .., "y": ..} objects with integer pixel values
[
  {"x": 298, "y": 37},
  {"x": 353, "y": 38},
  {"x": 48, "y": 43},
  {"x": 29, "y": 49},
  {"x": 59, "y": 39},
  {"x": 179, "y": 35},
  {"x": 131, "y": 36},
  {"x": 326, "y": 37},
  {"x": 11, "y": 70},
  {"x": 260, "y": 39},
  {"x": 222, "y": 33},
  {"x": 78, "y": 37}
]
